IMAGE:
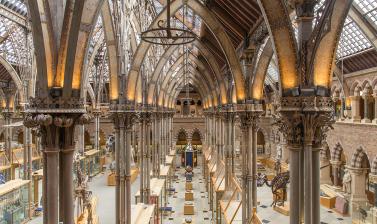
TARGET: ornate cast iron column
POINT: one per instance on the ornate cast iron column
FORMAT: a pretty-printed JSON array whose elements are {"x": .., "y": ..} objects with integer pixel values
[
  {"x": 124, "y": 117},
  {"x": 57, "y": 128},
  {"x": 304, "y": 121},
  {"x": 249, "y": 115},
  {"x": 145, "y": 119}
]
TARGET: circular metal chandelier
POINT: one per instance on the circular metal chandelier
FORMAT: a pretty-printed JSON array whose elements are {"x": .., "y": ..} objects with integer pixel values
[{"x": 169, "y": 35}]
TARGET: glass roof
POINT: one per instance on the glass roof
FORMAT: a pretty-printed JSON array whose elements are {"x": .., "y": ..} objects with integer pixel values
[
  {"x": 368, "y": 9},
  {"x": 352, "y": 40},
  {"x": 18, "y": 6}
]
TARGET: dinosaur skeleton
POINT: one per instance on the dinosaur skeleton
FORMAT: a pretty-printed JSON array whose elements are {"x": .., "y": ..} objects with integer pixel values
[
  {"x": 81, "y": 192},
  {"x": 279, "y": 183}
]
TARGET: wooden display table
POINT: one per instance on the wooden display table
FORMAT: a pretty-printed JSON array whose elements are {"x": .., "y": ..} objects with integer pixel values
[
  {"x": 188, "y": 186},
  {"x": 169, "y": 160},
  {"x": 283, "y": 209},
  {"x": 329, "y": 198},
  {"x": 188, "y": 208},
  {"x": 142, "y": 214},
  {"x": 189, "y": 196}
]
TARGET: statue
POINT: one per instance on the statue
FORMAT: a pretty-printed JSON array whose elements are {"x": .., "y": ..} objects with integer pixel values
[
  {"x": 347, "y": 182},
  {"x": 277, "y": 166}
]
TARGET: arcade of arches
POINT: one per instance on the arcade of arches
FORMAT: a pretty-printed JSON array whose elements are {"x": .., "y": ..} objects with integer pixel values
[{"x": 188, "y": 111}]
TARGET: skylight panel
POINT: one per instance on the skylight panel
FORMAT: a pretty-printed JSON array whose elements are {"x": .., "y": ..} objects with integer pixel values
[
  {"x": 15, "y": 5},
  {"x": 368, "y": 9},
  {"x": 273, "y": 72},
  {"x": 352, "y": 40}
]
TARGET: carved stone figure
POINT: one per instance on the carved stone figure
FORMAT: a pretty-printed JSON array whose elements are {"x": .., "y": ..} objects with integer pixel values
[{"x": 347, "y": 182}]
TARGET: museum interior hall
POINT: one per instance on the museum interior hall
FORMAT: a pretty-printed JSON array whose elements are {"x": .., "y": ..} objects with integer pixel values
[{"x": 188, "y": 111}]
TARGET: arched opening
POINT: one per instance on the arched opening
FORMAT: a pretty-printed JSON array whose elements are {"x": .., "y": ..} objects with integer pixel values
[
  {"x": 196, "y": 140},
  {"x": 181, "y": 140}
]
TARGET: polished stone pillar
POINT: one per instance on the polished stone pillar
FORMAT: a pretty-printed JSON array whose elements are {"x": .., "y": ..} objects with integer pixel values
[
  {"x": 51, "y": 185},
  {"x": 316, "y": 184},
  {"x": 117, "y": 173},
  {"x": 308, "y": 177},
  {"x": 254, "y": 130},
  {"x": 97, "y": 135},
  {"x": 142, "y": 156},
  {"x": 375, "y": 105},
  {"x": 355, "y": 107},
  {"x": 147, "y": 161},
  {"x": 325, "y": 177},
  {"x": 294, "y": 186},
  {"x": 245, "y": 135},
  {"x": 335, "y": 168},
  {"x": 367, "y": 98},
  {"x": 8, "y": 142},
  {"x": 122, "y": 173},
  {"x": 358, "y": 186},
  {"x": 66, "y": 185},
  {"x": 130, "y": 120}
]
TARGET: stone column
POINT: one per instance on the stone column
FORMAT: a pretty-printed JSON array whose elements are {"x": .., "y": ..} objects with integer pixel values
[
  {"x": 249, "y": 115},
  {"x": 316, "y": 183},
  {"x": 129, "y": 122},
  {"x": 147, "y": 161},
  {"x": 358, "y": 186},
  {"x": 57, "y": 137},
  {"x": 342, "y": 105},
  {"x": 294, "y": 186},
  {"x": 117, "y": 173},
  {"x": 66, "y": 185},
  {"x": 373, "y": 210},
  {"x": 335, "y": 169},
  {"x": 325, "y": 177},
  {"x": 8, "y": 142},
  {"x": 375, "y": 105},
  {"x": 367, "y": 99},
  {"x": 97, "y": 124},
  {"x": 245, "y": 134},
  {"x": 122, "y": 173},
  {"x": 355, "y": 108}
]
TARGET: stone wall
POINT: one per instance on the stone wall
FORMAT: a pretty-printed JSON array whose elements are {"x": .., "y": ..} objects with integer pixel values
[{"x": 353, "y": 135}]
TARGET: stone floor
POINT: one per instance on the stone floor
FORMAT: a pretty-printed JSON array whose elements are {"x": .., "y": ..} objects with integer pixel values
[
  {"x": 202, "y": 213},
  {"x": 106, "y": 203},
  {"x": 268, "y": 215}
]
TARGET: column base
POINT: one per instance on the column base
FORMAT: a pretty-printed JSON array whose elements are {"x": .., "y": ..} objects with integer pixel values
[
  {"x": 374, "y": 121},
  {"x": 373, "y": 214},
  {"x": 366, "y": 120},
  {"x": 356, "y": 119}
]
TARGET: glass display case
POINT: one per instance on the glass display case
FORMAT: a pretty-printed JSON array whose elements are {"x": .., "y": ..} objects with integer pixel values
[
  {"x": 217, "y": 188},
  {"x": 363, "y": 213},
  {"x": 5, "y": 168},
  {"x": 92, "y": 165},
  {"x": 14, "y": 202},
  {"x": 231, "y": 204},
  {"x": 157, "y": 197}
]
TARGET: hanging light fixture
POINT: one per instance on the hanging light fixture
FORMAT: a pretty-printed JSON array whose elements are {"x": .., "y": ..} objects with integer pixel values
[{"x": 169, "y": 35}]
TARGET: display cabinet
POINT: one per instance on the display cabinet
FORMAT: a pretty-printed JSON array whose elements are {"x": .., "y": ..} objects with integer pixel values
[
  {"x": 157, "y": 197},
  {"x": 142, "y": 214},
  {"x": 231, "y": 204},
  {"x": 92, "y": 165},
  {"x": 18, "y": 160},
  {"x": 217, "y": 189},
  {"x": 363, "y": 213},
  {"x": 5, "y": 168},
  {"x": 14, "y": 201}
]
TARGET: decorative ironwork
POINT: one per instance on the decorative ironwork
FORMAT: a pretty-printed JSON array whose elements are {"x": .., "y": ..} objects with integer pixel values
[{"x": 168, "y": 35}]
